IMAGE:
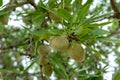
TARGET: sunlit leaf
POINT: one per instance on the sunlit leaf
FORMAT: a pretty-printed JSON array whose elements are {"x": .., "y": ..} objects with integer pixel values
[
  {"x": 109, "y": 40},
  {"x": 97, "y": 24},
  {"x": 64, "y": 14},
  {"x": 97, "y": 18},
  {"x": 46, "y": 33},
  {"x": 82, "y": 13},
  {"x": 99, "y": 32},
  {"x": 38, "y": 18}
]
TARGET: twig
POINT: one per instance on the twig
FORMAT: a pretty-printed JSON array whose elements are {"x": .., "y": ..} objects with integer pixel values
[
  {"x": 27, "y": 54},
  {"x": 115, "y": 8},
  {"x": 32, "y": 2},
  {"x": 41, "y": 72},
  {"x": 10, "y": 7},
  {"x": 14, "y": 5},
  {"x": 8, "y": 47}
]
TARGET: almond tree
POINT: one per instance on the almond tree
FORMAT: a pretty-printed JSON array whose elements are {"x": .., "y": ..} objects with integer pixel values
[{"x": 59, "y": 39}]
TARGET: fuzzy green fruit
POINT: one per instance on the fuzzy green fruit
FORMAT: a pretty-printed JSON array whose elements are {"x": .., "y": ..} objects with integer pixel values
[
  {"x": 76, "y": 52},
  {"x": 43, "y": 60},
  {"x": 47, "y": 70},
  {"x": 59, "y": 43},
  {"x": 44, "y": 50}
]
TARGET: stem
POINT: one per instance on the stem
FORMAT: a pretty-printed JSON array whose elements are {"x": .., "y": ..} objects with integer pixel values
[
  {"x": 115, "y": 8},
  {"x": 41, "y": 72}
]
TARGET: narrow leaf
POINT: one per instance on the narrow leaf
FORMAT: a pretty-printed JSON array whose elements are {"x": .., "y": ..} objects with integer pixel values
[
  {"x": 109, "y": 40},
  {"x": 99, "y": 32},
  {"x": 38, "y": 18},
  {"x": 55, "y": 31},
  {"x": 12, "y": 71},
  {"x": 82, "y": 13},
  {"x": 46, "y": 33},
  {"x": 95, "y": 18},
  {"x": 64, "y": 14},
  {"x": 97, "y": 24},
  {"x": 29, "y": 67}
]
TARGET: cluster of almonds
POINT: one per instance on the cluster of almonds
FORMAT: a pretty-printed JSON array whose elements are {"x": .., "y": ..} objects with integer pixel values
[
  {"x": 59, "y": 43},
  {"x": 43, "y": 61}
]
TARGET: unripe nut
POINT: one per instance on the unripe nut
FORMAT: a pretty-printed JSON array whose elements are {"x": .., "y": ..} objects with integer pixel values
[
  {"x": 59, "y": 43},
  {"x": 47, "y": 70},
  {"x": 44, "y": 50},
  {"x": 76, "y": 52},
  {"x": 43, "y": 60}
]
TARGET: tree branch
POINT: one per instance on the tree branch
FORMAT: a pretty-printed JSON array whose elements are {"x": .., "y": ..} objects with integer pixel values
[
  {"x": 10, "y": 7},
  {"x": 115, "y": 8},
  {"x": 14, "y": 5},
  {"x": 32, "y": 2},
  {"x": 8, "y": 47},
  {"x": 41, "y": 73}
]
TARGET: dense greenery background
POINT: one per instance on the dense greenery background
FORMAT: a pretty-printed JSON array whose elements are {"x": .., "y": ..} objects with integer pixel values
[{"x": 95, "y": 25}]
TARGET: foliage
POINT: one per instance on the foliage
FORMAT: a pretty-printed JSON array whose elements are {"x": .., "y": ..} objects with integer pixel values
[{"x": 95, "y": 28}]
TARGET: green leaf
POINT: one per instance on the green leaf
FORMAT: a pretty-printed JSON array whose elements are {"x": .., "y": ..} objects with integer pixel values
[
  {"x": 46, "y": 33},
  {"x": 77, "y": 4},
  {"x": 82, "y": 13},
  {"x": 12, "y": 71},
  {"x": 1, "y": 2},
  {"x": 38, "y": 18},
  {"x": 41, "y": 34},
  {"x": 117, "y": 76},
  {"x": 67, "y": 2},
  {"x": 82, "y": 31},
  {"x": 95, "y": 78},
  {"x": 55, "y": 31},
  {"x": 97, "y": 24},
  {"x": 95, "y": 18},
  {"x": 64, "y": 14},
  {"x": 88, "y": 2},
  {"x": 109, "y": 40},
  {"x": 58, "y": 65},
  {"x": 29, "y": 67},
  {"x": 99, "y": 32}
]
